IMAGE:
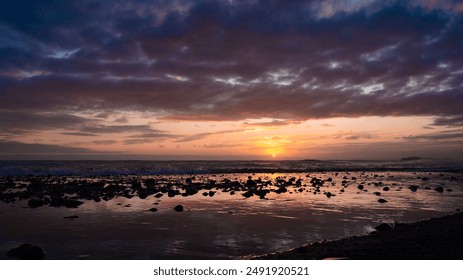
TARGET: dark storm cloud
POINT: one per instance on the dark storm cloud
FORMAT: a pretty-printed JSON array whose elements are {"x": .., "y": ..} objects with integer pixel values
[
  {"x": 12, "y": 147},
  {"x": 231, "y": 60},
  {"x": 22, "y": 122},
  {"x": 451, "y": 121}
]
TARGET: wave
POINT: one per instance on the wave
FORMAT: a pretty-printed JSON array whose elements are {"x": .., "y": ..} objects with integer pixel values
[{"x": 108, "y": 168}]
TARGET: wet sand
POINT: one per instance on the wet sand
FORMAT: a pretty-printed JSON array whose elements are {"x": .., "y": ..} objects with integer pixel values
[
  {"x": 433, "y": 239},
  {"x": 212, "y": 216}
]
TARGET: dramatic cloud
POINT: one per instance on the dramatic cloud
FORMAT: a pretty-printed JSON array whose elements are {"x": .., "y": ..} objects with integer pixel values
[
  {"x": 216, "y": 60},
  {"x": 22, "y": 148},
  {"x": 446, "y": 135},
  {"x": 201, "y": 136},
  {"x": 87, "y": 68},
  {"x": 104, "y": 142},
  {"x": 272, "y": 123},
  {"x": 449, "y": 121}
]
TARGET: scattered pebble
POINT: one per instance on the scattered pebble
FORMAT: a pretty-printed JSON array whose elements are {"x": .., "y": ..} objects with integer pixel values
[{"x": 178, "y": 208}]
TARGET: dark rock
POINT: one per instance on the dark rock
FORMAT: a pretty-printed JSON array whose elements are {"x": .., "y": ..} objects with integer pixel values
[
  {"x": 191, "y": 190},
  {"x": 35, "y": 185},
  {"x": 250, "y": 183},
  {"x": 211, "y": 193},
  {"x": 383, "y": 227},
  {"x": 153, "y": 210},
  {"x": 14, "y": 253},
  {"x": 71, "y": 217},
  {"x": 329, "y": 194},
  {"x": 178, "y": 208},
  {"x": 386, "y": 189},
  {"x": 171, "y": 193},
  {"x": 262, "y": 193},
  {"x": 413, "y": 188},
  {"x": 158, "y": 195},
  {"x": 56, "y": 202},
  {"x": 360, "y": 187},
  {"x": 205, "y": 193},
  {"x": 27, "y": 252},
  {"x": 150, "y": 182},
  {"x": 136, "y": 185},
  {"x": 377, "y": 193},
  {"x": 35, "y": 202},
  {"x": 142, "y": 195},
  {"x": 247, "y": 194},
  {"x": 382, "y": 200},
  {"x": 71, "y": 203},
  {"x": 439, "y": 189}
]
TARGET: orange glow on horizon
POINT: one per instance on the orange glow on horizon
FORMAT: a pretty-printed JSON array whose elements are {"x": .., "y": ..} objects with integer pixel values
[{"x": 336, "y": 138}]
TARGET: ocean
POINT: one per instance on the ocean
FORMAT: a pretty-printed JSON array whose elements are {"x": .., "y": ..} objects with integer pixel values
[{"x": 115, "y": 167}]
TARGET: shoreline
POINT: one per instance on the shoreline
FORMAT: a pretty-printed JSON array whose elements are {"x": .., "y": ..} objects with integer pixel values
[
  {"x": 432, "y": 239},
  {"x": 226, "y": 216}
]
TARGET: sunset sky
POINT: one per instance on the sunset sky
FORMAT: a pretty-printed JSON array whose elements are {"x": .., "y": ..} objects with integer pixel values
[{"x": 231, "y": 79}]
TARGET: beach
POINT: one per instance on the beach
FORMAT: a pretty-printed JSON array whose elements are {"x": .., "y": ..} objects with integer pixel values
[
  {"x": 213, "y": 215},
  {"x": 433, "y": 239}
]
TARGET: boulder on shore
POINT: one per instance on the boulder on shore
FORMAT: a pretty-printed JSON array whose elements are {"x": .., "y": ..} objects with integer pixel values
[
  {"x": 383, "y": 227},
  {"x": 72, "y": 203},
  {"x": 27, "y": 252},
  {"x": 35, "y": 202}
]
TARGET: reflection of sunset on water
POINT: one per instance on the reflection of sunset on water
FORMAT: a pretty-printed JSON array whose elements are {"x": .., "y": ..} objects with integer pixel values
[{"x": 298, "y": 208}]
